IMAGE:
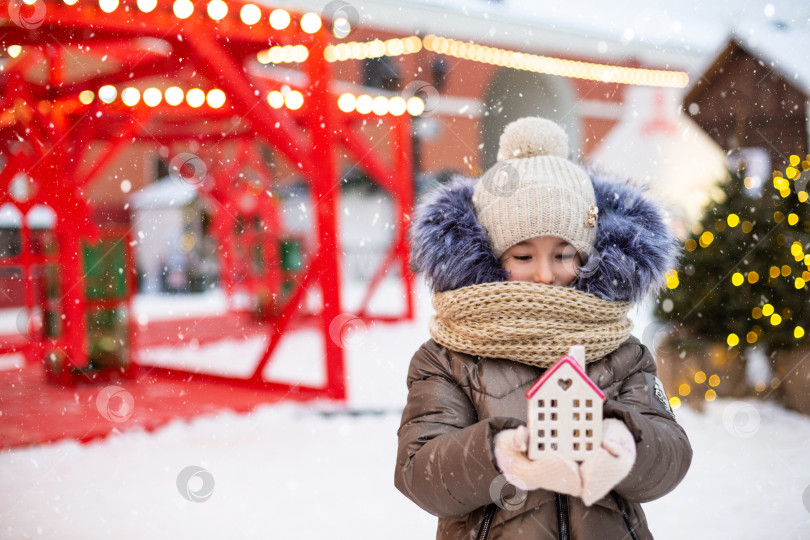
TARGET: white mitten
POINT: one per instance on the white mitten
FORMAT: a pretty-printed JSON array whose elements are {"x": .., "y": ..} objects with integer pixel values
[
  {"x": 552, "y": 471},
  {"x": 610, "y": 463}
]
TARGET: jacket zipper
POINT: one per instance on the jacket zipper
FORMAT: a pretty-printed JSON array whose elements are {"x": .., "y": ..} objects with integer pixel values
[
  {"x": 484, "y": 532},
  {"x": 562, "y": 515},
  {"x": 625, "y": 517}
]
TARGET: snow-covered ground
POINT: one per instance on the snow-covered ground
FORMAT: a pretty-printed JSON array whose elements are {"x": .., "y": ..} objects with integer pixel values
[{"x": 323, "y": 470}]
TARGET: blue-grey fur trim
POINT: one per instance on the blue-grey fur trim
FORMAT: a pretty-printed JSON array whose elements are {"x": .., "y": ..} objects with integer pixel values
[
  {"x": 634, "y": 248},
  {"x": 448, "y": 245}
]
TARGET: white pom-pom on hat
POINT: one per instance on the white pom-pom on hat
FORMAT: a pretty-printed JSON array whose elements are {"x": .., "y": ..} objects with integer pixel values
[{"x": 532, "y": 136}]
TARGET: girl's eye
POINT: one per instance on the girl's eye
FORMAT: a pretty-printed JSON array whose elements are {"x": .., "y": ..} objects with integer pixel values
[{"x": 523, "y": 257}]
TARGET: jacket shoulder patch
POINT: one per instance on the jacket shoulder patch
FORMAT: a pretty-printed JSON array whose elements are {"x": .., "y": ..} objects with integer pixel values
[{"x": 658, "y": 397}]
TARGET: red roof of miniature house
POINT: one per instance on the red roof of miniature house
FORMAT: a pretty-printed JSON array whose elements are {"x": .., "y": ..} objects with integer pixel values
[{"x": 567, "y": 359}]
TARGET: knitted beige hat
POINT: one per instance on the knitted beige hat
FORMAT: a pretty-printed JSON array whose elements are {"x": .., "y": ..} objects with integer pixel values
[{"x": 534, "y": 190}]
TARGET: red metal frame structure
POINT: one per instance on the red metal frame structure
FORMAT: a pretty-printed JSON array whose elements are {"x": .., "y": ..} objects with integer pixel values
[{"x": 53, "y": 122}]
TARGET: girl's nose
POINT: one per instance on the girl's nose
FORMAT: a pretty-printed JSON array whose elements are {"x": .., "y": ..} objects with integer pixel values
[{"x": 543, "y": 273}]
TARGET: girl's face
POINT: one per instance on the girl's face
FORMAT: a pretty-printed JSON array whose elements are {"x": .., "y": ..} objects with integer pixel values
[{"x": 542, "y": 259}]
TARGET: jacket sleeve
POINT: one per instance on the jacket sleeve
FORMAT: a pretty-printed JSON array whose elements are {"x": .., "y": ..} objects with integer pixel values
[
  {"x": 663, "y": 452},
  {"x": 445, "y": 461}
]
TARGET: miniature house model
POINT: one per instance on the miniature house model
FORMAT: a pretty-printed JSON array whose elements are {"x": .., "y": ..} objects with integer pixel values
[{"x": 565, "y": 410}]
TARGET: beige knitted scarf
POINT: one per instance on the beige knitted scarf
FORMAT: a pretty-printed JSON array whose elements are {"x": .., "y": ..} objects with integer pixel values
[{"x": 526, "y": 322}]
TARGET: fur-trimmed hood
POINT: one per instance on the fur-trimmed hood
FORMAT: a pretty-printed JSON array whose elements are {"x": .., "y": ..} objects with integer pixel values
[{"x": 634, "y": 248}]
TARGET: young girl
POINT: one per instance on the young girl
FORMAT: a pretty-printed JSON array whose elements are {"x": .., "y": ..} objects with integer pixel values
[{"x": 531, "y": 259}]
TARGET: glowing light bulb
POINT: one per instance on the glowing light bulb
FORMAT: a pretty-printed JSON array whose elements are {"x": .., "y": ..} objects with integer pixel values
[
  {"x": 380, "y": 105},
  {"x": 86, "y": 97},
  {"x": 397, "y": 106},
  {"x": 675, "y": 402},
  {"x": 341, "y": 27},
  {"x": 263, "y": 56},
  {"x": 415, "y": 106},
  {"x": 174, "y": 96},
  {"x": 147, "y": 5},
  {"x": 310, "y": 23},
  {"x": 107, "y": 93},
  {"x": 130, "y": 96},
  {"x": 279, "y": 19},
  {"x": 183, "y": 9},
  {"x": 215, "y": 98},
  {"x": 294, "y": 100},
  {"x": 250, "y": 14},
  {"x": 14, "y": 50},
  {"x": 195, "y": 97},
  {"x": 300, "y": 53},
  {"x": 275, "y": 99},
  {"x": 346, "y": 102},
  {"x": 733, "y": 220},
  {"x": 364, "y": 104},
  {"x": 152, "y": 97},
  {"x": 108, "y": 6},
  {"x": 217, "y": 9},
  {"x": 706, "y": 239}
]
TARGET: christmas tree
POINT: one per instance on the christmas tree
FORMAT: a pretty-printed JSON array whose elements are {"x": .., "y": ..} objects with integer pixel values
[{"x": 746, "y": 268}]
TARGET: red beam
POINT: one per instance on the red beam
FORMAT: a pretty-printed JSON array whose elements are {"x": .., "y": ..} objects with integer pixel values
[
  {"x": 379, "y": 172},
  {"x": 273, "y": 125},
  {"x": 311, "y": 274}
]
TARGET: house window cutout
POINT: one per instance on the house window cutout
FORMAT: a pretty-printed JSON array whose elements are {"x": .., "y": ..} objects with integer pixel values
[
  {"x": 588, "y": 432},
  {"x": 576, "y": 416},
  {"x": 576, "y": 403},
  {"x": 553, "y": 416},
  {"x": 540, "y": 403},
  {"x": 589, "y": 446},
  {"x": 576, "y": 446},
  {"x": 541, "y": 433},
  {"x": 553, "y": 446},
  {"x": 553, "y": 402},
  {"x": 576, "y": 433},
  {"x": 541, "y": 446},
  {"x": 553, "y": 432},
  {"x": 541, "y": 416},
  {"x": 589, "y": 403},
  {"x": 588, "y": 416}
]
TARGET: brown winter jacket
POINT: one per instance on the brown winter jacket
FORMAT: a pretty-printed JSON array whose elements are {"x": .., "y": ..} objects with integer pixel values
[{"x": 458, "y": 402}]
